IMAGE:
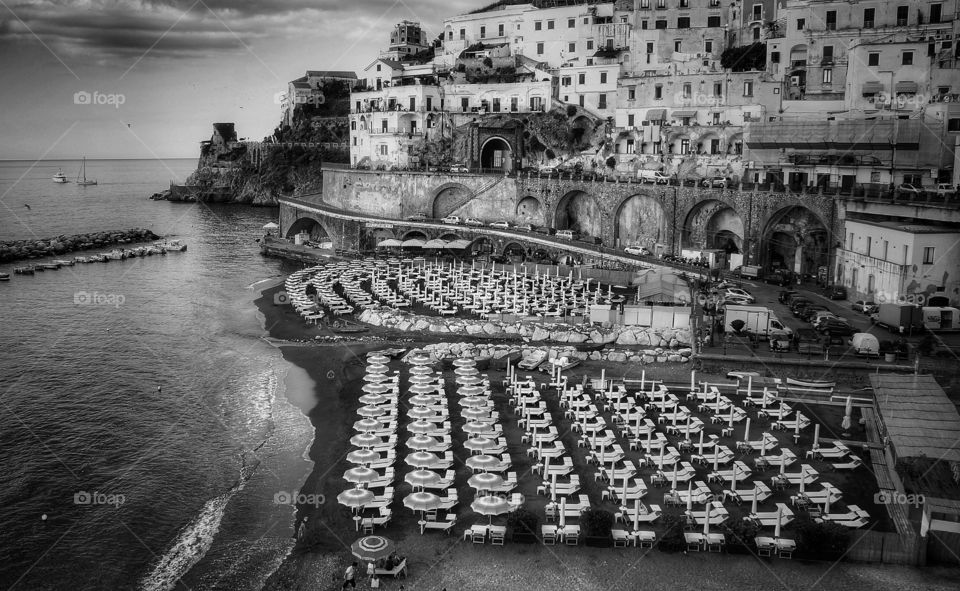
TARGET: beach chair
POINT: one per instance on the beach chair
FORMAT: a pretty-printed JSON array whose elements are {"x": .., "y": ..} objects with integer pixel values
[
  {"x": 478, "y": 534},
  {"x": 646, "y": 538},
  {"x": 445, "y": 525},
  {"x": 571, "y": 535},
  {"x": 621, "y": 538},
  {"x": 497, "y": 535},
  {"x": 397, "y": 571},
  {"x": 549, "y": 534},
  {"x": 765, "y": 546}
]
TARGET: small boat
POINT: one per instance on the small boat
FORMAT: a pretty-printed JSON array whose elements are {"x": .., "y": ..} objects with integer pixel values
[
  {"x": 99, "y": 258},
  {"x": 342, "y": 327},
  {"x": 23, "y": 270},
  {"x": 4, "y": 276},
  {"x": 37, "y": 268},
  {"x": 83, "y": 170},
  {"x": 393, "y": 353},
  {"x": 564, "y": 363},
  {"x": 117, "y": 255},
  {"x": 50, "y": 266},
  {"x": 60, "y": 177},
  {"x": 172, "y": 246},
  {"x": 81, "y": 260},
  {"x": 63, "y": 263}
]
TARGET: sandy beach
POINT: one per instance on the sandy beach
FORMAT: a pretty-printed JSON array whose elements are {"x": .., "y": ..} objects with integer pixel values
[{"x": 439, "y": 562}]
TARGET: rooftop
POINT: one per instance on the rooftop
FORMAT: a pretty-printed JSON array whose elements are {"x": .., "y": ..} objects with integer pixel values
[
  {"x": 332, "y": 74},
  {"x": 919, "y": 418},
  {"x": 910, "y": 228}
]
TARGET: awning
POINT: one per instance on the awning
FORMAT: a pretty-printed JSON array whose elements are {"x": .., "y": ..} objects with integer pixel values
[
  {"x": 907, "y": 87},
  {"x": 271, "y": 226},
  {"x": 656, "y": 115},
  {"x": 682, "y": 114},
  {"x": 435, "y": 243},
  {"x": 458, "y": 244},
  {"x": 872, "y": 87},
  {"x": 413, "y": 243},
  {"x": 388, "y": 243}
]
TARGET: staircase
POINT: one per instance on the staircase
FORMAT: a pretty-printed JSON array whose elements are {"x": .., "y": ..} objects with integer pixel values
[{"x": 458, "y": 204}]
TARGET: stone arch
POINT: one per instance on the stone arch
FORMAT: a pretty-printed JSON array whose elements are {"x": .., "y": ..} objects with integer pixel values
[
  {"x": 496, "y": 153},
  {"x": 449, "y": 236},
  {"x": 713, "y": 223},
  {"x": 481, "y": 245},
  {"x": 796, "y": 238},
  {"x": 578, "y": 211},
  {"x": 314, "y": 229},
  {"x": 640, "y": 220},
  {"x": 414, "y": 234},
  {"x": 705, "y": 141},
  {"x": 513, "y": 248},
  {"x": 448, "y": 198},
  {"x": 529, "y": 210},
  {"x": 735, "y": 144},
  {"x": 676, "y": 141}
]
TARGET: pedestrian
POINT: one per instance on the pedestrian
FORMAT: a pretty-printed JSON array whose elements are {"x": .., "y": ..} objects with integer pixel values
[
  {"x": 350, "y": 576},
  {"x": 371, "y": 569}
]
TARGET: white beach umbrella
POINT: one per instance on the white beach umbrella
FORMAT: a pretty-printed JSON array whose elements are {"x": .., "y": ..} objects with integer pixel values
[
  {"x": 474, "y": 414},
  {"x": 421, "y": 370},
  {"x": 483, "y": 462},
  {"x": 366, "y": 425},
  {"x": 845, "y": 425},
  {"x": 377, "y": 368},
  {"x": 421, "y": 442},
  {"x": 423, "y": 379},
  {"x": 490, "y": 506},
  {"x": 421, "y": 501},
  {"x": 372, "y": 411},
  {"x": 362, "y": 456},
  {"x": 477, "y": 428},
  {"x": 464, "y": 362},
  {"x": 421, "y": 478},
  {"x": 375, "y": 388},
  {"x": 466, "y": 371},
  {"x": 422, "y": 389},
  {"x": 706, "y": 522},
  {"x": 421, "y": 459},
  {"x": 485, "y": 481},
  {"x": 424, "y": 399},
  {"x": 376, "y": 378},
  {"x": 365, "y": 440},
  {"x": 355, "y": 497},
  {"x": 421, "y": 427},
  {"x": 360, "y": 475},
  {"x": 373, "y": 399},
  {"x": 469, "y": 380}
]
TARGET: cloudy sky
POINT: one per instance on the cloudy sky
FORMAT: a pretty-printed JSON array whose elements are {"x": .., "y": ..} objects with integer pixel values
[{"x": 158, "y": 73}]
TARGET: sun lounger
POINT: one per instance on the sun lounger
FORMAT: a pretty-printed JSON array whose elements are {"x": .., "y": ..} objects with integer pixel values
[
  {"x": 397, "y": 571},
  {"x": 549, "y": 534},
  {"x": 445, "y": 525},
  {"x": 853, "y": 464},
  {"x": 621, "y": 538}
]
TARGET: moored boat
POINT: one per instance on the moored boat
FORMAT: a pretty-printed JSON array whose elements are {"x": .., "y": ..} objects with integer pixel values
[
  {"x": 4, "y": 276},
  {"x": 63, "y": 263},
  {"x": 117, "y": 255},
  {"x": 50, "y": 266},
  {"x": 81, "y": 260},
  {"x": 172, "y": 246},
  {"x": 23, "y": 270}
]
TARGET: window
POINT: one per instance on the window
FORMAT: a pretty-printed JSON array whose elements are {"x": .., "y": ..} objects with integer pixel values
[
  {"x": 684, "y": 3},
  {"x": 718, "y": 89},
  {"x": 869, "y": 16},
  {"x": 687, "y": 90},
  {"x": 589, "y": 61},
  {"x": 609, "y": 43},
  {"x": 483, "y": 32},
  {"x": 603, "y": 77},
  {"x": 851, "y": 241},
  {"x": 886, "y": 249},
  {"x": 660, "y": 24},
  {"x": 413, "y": 103},
  {"x": 907, "y": 58},
  {"x": 571, "y": 23},
  {"x": 683, "y": 22},
  {"x": 581, "y": 78},
  {"x": 581, "y": 100},
  {"x": 775, "y": 57},
  {"x": 496, "y": 105},
  {"x": 383, "y": 126},
  {"x": 713, "y": 21},
  {"x": 463, "y": 34},
  {"x": 514, "y": 104},
  {"x": 649, "y": 47},
  {"x": 869, "y": 244},
  {"x": 644, "y": 24},
  {"x": 630, "y": 120},
  {"x": 658, "y": 92},
  {"x": 756, "y": 33},
  {"x": 631, "y": 147},
  {"x": 902, "y": 14},
  {"x": 540, "y": 48},
  {"x": 602, "y": 101},
  {"x": 715, "y": 144},
  {"x": 677, "y": 45},
  {"x": 536, "y": 103},
  {"x": 550, "y": 24},
  {"x": 572, "y": 47},
  {"x": 589, "y": 44},
  {"x": 358, "y": 106},
  {"x": 831, "y": 20},
  {"x": 565, "y": 81},
  {"x": 748, "y": 88},
  {"x": 500, "y": 30},
  {"x": 928, "y": 255},
  {"x": 413, "y": 127},
  {"x": 827, "y": 54},
  {"x": 801, "y": 24},
  {"x": 661, "y": 3},
  {"x": 644, "y": 3},
  {"x": 450, "y": 36},
  {"x": 378, "y": 67},
  {"x": 828, "y": 75},
  {"x": 353, "y": 125},
  {"x": 758, "y": 12},
  {"x": 538, "y": 25},
  {"x": 631, "y": 93},
  {"x": 684, "y": 146},
  {"x": 429, "y": 103},
  {"x": 708, "y": 46},
  {"x": 383, "y": 149},
  {"x": 464, "y": 104},
  {"x": 873, "y": 59},
  {"x": 716, "y": 119},
  {"x": 936, "y": 12},
  {"x": 586, "y": 20}
]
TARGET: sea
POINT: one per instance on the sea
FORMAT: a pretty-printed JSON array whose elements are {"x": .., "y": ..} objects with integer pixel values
[{"x": 146, "y": 433}]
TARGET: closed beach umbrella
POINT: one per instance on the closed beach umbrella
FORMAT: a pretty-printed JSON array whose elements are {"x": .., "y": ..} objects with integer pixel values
[
  {"x": 689, "y": 495},
  {"x": 816, "y": 435},
  {"x": 421, "y": 478},
  {"x": 479, "y": 443},
  {"x": 360, "y": 475},
  {"x": 372, "y": 548},
  {"x": 421, "y": 427},
  {"x": 636, "y": 515},
  {"x": 423, "y": 399},
  {"x": 377, "y": 368},
  {"x": 474, "y": 402},
  {"x": 362, "y": 456},
  {"x": 471, "y": 390},
  {"x": 372, "y": 411},
  {"x": 421, "y": 442},
  {"x": 803, "y": 479},
  {"x": 706, "y": 522},
  {"x": 466, "y": 371},
  {"x": 366, "y": 425},
  {"x": 483, "y": 462},
  {"x": 490, "y": 506},
  {"x": 746, "y": 430},
  {"x": 754, "y": 505},
  {"x": 423, "y": 379},
  {"x": 421, "y": 459},
  {"x": 376, "y": 388},
  {"x": 365, "y": 440},
  {"x": 421, "y": 501},
  {"x": 477, "y": 428},
  {"x": 776, "y": 529},
  {"x": 563, "y": 513},
  {"x": 355, "y": 497},
  {"x": 422, "y": 389},
  {"x": 469, "y": 380},
  {"x": 373, "y": 399},
  {"x": 474, "y": 414},
  {"x": 421, "y": 370},
  {"x": 484, "y": 481},
  {"x": 422, "y": 413},
  {"x": 783, "y": 464},
  {"x": 845, "y": 425},
  {"x": 464, "y": 362},
  {"x": 377, "y": 358}
]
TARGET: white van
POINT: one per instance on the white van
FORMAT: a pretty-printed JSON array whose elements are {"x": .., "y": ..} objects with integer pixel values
[
  {"x": 567, "y": 235},
  {"x": 653, "y": 176}
]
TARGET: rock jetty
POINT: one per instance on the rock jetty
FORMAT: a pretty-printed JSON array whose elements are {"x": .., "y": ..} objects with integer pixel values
[{"x": 16, "y": 250}]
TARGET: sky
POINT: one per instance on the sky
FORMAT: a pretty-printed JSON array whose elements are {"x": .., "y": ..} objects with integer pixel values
[{"x": 148, "y": 78}]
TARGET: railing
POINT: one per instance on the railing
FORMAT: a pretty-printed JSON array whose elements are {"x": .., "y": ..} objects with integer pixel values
[{"x": 395, "y": 131}]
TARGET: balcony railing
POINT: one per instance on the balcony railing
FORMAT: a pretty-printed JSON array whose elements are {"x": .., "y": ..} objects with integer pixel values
[{"x": 395, "y": 131}]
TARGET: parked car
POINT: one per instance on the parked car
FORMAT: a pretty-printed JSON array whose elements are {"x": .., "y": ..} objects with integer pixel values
[
  {"x": 866, "y": 344},
  {"x": 473, "y": 222},
  {"x": 652, "y": 176},
  {"x": 637, "y": 251},
  {"x": 452, "y": 219},
  {"x": 865, "y": 307},
  {"x": 835, "y": 327},
  {"x": 811, "y": 311},
  {"x": 808, "y": 341},
  {"x": 568, "y": 235},
  {"x": 836, "y": 292},
  {"x": 737, "y": 300},
  {"x": 459, "y": 168},
  {"x": 717, "y": 182},
  {"x": 735, "y": 292},
  {"x": 784, "y": 296},
  {"x": 909, "y": 189},
  {"x": 547, "y": 170},
  {"x": 797, "y": 305},
  {"x": 945, "y": 190},
  {"x": 502, "y": 225},
  {"x": 819, "y": 318},
  {"x": 418, "y": 217},
  {"x": 524, "y": 227}
]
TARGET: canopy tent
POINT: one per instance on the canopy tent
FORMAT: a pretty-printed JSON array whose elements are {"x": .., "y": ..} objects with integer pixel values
[
  {"x": 413, "y": 243},
  {"x": 458, "y": 244},
  {"x": 271, "y": 226},
  {"x": 435, "y": 243},
  {"x": 660, "y": 286},
  {"x": 389, "y": 243}
]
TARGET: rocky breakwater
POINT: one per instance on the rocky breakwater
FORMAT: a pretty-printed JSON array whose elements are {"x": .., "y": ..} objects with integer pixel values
[
  {"x": 441, "y": 351},
  {"x": 15, "y": 250},
  {"x": 660, "y": 345}
]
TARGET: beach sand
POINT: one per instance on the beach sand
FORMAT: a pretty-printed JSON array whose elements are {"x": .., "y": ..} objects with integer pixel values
[{"x": 439, "y": 562}]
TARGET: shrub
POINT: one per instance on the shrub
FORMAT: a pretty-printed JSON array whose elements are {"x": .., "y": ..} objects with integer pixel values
[
  {"x": 741, "y": 531},
  {"x": 523, "y": 522},
  {"x": 737, "y": 325},
  {"x": 488, "y": 62},
  {"x": 821, "y": 539},
  {"x": 672, "y": 539},
  {"x": 611, "y": 162},
  {"x": 596, "y": 522},
  {"x": 571, "y": 110}
]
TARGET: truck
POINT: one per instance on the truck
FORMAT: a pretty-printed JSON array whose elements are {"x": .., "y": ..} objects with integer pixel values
[
  {"x": 757, "y": 320},
  {"x": 941, "y": 318},
  {"x": 900, "y": 318}
]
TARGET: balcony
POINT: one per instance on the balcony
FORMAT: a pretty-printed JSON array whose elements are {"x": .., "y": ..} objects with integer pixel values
[{"x": 395, "y": 131}]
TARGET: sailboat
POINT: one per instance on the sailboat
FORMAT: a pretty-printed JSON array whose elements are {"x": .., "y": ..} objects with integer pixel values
[
  {"x": 60, "y": 177},
  {"x": 83, "y": 170}
]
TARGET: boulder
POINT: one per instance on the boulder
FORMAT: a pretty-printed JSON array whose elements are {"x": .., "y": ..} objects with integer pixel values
[
  {"x": 511, "y": 329},
  {"x": 539, "y": 334},
  {"x": 674, "y": 358},
  {"x": 374, "y": 319},
  {"x": 559, "y": 336},
  {"x": 491, "y": 328},
  {"x": 595, "y": 355},
  {"x": 474, "y": 329},
  {"x": 626, "y": 338},
  {"x": 581, "y": 355},
  {"x": 404, "y": 325},
  {"x": 421, "y": 325},
  {"x": 686, "y": 352},
  {"x": 617, "y": 357},
  {"x": 576, "y": 337},
  {"x": 674, "y": 343},
  {"x": 649, "y": 358},
  {"x": 643, "y": 338},
  {"x": 661, "y": 358},
  {"x": 636, "y": 359}
]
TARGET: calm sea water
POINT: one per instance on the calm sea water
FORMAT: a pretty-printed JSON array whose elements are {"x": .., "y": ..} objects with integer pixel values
[{"x": 110, "y": 483}]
